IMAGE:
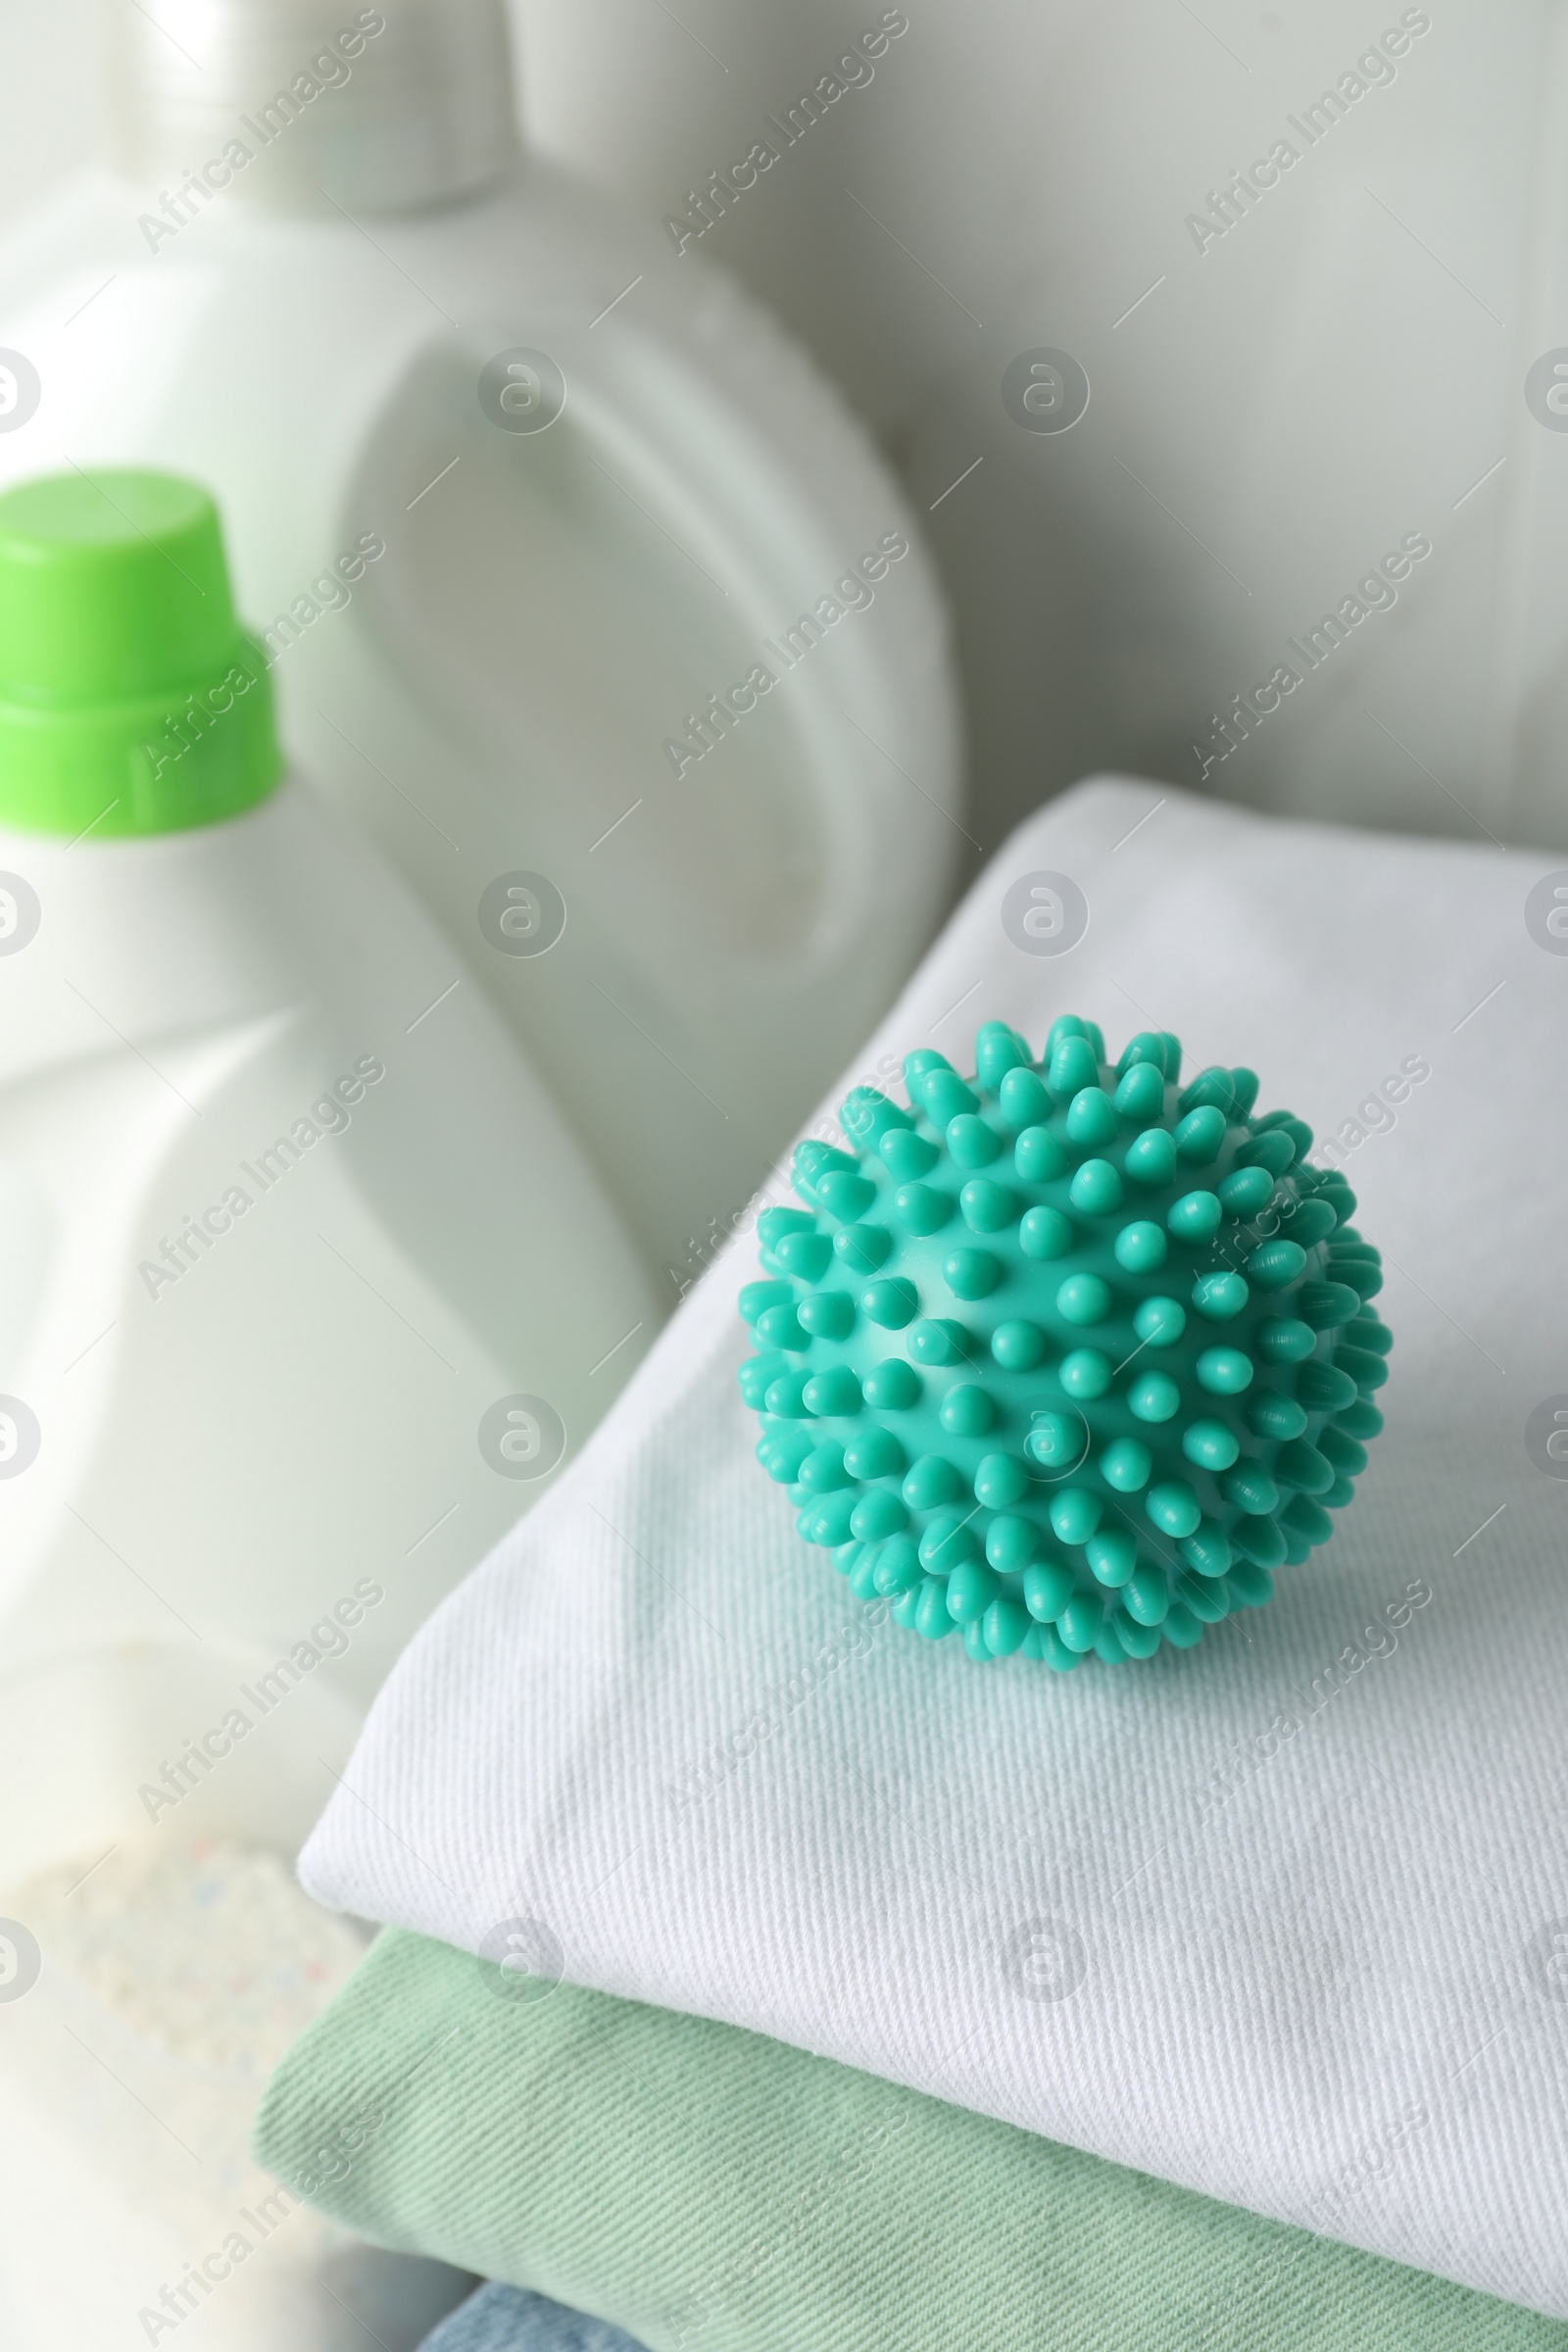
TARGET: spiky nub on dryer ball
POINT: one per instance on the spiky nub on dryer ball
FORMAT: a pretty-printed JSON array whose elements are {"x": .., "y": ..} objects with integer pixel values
[{"x": 1065, "y": 1358}]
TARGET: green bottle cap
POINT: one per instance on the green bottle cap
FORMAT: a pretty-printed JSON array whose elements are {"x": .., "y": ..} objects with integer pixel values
[{"x": 131, "y": 700}]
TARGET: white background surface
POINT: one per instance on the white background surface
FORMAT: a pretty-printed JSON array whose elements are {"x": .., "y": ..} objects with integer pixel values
[{"x": 1338, "y": 370}]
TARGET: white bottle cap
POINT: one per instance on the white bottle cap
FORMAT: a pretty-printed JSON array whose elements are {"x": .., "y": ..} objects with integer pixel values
[{"x": 375, "y": 109}]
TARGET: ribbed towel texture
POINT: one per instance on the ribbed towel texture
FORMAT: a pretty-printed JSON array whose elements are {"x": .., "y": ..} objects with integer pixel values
[{"x": 712, "y": 2191}]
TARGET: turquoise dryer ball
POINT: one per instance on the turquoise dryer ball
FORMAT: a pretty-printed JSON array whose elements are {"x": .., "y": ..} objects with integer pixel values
[{"x": 1065, "y": 1359}]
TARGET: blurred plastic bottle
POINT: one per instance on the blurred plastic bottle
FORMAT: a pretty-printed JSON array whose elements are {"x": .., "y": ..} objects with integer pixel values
[
  {"x": 582, "y": 591},
  {"x": 305, "y": 1286}
]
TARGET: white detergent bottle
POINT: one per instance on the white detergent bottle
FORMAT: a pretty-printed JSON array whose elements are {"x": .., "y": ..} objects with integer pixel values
[
  {"x": 577, "y": 580},
  {"x": 305, "y": 1286}
]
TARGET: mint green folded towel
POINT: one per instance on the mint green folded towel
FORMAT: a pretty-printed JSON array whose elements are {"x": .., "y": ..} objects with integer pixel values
[{"x": 708, "y": 2190}]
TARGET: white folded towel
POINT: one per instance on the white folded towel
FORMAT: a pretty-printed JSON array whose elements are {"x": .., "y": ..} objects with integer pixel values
[{"x": 1284, "y": 1917}]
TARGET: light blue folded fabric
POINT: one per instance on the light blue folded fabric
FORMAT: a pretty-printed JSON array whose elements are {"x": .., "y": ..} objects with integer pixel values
[{"x": 508, "y": 2318}]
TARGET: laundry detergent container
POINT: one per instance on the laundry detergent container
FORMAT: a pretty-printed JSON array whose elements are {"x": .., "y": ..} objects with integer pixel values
[{"x": 581, "y": 591}]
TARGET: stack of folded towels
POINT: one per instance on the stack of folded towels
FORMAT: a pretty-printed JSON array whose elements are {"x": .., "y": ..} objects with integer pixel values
[{"x": 760, "y": 1978}]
